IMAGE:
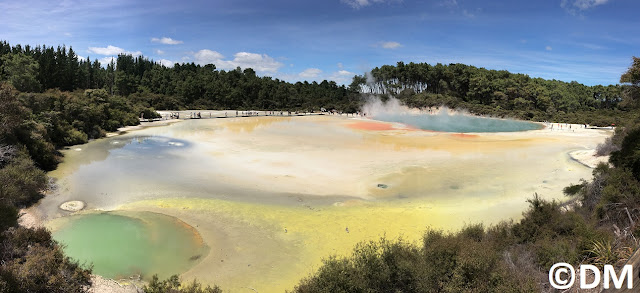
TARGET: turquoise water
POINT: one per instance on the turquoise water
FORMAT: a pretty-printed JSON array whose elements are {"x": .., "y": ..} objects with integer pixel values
[
  {"x": 121, "y": 244},
  {"x": 458, "y": 122}
]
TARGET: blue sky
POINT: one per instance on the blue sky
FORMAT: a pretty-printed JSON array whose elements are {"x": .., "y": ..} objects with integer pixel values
[{"x": 589, "y": 41}]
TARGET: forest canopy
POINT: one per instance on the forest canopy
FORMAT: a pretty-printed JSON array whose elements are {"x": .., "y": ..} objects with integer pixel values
[{"x": 191, "y": 86}]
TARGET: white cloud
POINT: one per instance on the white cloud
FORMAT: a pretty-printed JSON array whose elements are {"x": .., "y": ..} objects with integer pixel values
[
  {"x": 449, "y": 3},
  {"x": 310, "y": 73},
  {"x": 207, "y": 57},
  {"x": 548, "y": 48},
  {"x": 159, "y": 52},
  {"x": 342, "y": 76},
  {"x": 167, "y": 63},
  {"x": 468, "y": 13},
  {"x": 263, "y": 63},
  {"x": 456, "y": 8},
  {"x": 315, "y": 74},
  {"x": 390, "y": 45},
  {"x": 112, "y": 51},
  {"x": 106, "y": 60},
  {"x": 357, "y": 4},
  {"x": 575, "y": 6},
  {"x": 258, "y": 62},
  {"x": 166, "y": 41},
  {"x": 109, "y": 50},
  {"x": 586, "y": 4}
]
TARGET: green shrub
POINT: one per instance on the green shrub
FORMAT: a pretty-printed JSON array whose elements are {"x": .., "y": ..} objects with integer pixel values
[
  {"x": 173, "y": 285},
  {"x": 629, "y": 154},
  {"x": 461, "y": 262},
  {"x": 573, "y": 189},
  {"x": 74, "y": 136},
  {"x": 33, "y": 262},
  {"x": 21, "y": 182}
]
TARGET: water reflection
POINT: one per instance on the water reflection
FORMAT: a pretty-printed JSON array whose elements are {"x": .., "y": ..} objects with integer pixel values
[
  {"x": 105, "y": 172},
  {"x": 149, "y": 147}
]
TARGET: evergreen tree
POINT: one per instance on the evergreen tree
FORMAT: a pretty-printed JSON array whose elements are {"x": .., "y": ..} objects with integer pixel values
[{"x": 21, "y": 70}]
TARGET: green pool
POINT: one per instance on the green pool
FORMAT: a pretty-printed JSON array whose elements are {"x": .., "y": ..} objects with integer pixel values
[{"x": 123, "y": 244}]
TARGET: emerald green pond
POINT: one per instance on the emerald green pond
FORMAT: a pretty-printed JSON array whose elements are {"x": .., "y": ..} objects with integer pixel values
[{"x": 124, "y": 244}]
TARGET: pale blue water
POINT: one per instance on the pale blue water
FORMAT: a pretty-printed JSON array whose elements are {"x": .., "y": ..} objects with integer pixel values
[{"x": 457, "y": 122}]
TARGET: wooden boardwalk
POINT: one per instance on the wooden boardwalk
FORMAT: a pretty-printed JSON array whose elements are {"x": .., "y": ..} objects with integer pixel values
[
  {"x": 218, "y": 115},
  {"x": 634, "y": 260}
]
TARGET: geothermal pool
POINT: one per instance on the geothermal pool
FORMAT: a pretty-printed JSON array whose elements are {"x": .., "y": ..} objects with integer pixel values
[
  {"x": 259, "y": 201},
  {"x": 458, "y": 123},
  {"x": 442, "y": 118},
  {"x": 121, "y": 245}
]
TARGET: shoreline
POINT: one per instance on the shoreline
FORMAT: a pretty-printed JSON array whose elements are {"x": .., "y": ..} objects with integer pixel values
[
  {"x": 588, "y": 158},
  {"x": 164, "y": 121},
  {"x": 100, "y": 284},
  {"x": 142, "y": 125}
]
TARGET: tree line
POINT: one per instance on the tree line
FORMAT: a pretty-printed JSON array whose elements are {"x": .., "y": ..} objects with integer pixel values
[
  {"x": 37, "y": 69},
  {"x": 191, "y": 86},
  {"x": 494, "y": 92}
]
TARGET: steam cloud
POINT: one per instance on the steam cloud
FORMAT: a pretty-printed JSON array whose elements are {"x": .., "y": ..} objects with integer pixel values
[{"x": 442, "y": 119}]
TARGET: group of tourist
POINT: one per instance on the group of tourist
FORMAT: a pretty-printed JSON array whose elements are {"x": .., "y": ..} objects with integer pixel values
[
  {"x": 359, "y": 114},
  {"x": 565, "y": 126},
  {"x": 198, "y": 115}
]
